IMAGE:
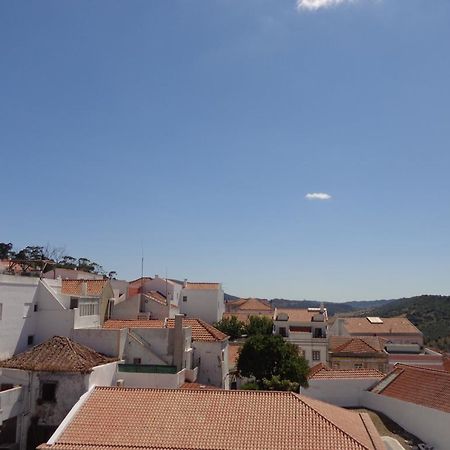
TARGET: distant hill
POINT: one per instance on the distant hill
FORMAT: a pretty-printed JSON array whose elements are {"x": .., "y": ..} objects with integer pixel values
[
  {"x": 430, "y": 313},
  {"x": 367, "y": 304}
]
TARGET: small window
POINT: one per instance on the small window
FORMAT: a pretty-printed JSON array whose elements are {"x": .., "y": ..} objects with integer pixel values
[
  {"x": 184, "y": 298},
  {"x": 358, "y": 366},
  {"x": 48, "y": 392},
  {"x": 73, "y": 302},
  {"x": 137, "y": 361},
  {"x": 35, "y": 307},
  {"x": 316, "y": 355},
  {"x": 30, "y": 340}
]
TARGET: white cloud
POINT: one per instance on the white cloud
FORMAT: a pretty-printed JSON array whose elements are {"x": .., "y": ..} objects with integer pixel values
[
  {"x": 317, "y": 4},
  {"x": 318, "y": 196}
]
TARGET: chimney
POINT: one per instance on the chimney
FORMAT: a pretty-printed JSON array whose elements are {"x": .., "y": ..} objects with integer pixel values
[
  {"x": 156, "y": 276},
  {"x": 119, "y": 383},
  {"x": 185, "y": 283},
  {"x": 178, "y": 342}
]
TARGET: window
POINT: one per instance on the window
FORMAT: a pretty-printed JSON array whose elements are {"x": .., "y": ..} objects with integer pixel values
[
  {"x": 48, "y": 392},
  {"x": 358, "y": 366},
  {"x": 184, "y": 298},
  {"x": 30, "y": 339},
  {"x": 316, "y": 355},
  {"x": 73, "y": 302},
  {"x": 137, "y": 361},
  {"x": 35, "y": 307},
  {"x": 88, "y": 309},
  {"x": 283, "y": 331}
]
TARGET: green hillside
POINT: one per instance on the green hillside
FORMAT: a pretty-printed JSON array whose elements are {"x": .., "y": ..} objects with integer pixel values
[{"x": 430, "y": 313}]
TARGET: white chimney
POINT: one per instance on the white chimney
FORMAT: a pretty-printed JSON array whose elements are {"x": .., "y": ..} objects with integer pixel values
[
  {"x": 156, "y": 276},
  {"x": 120, "y": 383},
  {"x": 185, "y": 283}
]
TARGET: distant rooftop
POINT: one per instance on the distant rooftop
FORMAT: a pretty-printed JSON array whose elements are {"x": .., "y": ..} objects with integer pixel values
[
  {"x": 323, "y": 372},
  {"x": 386, "y": 325},
  {"x": 76, "y": 287}
]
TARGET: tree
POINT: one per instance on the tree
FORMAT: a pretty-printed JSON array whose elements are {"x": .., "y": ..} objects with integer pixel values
[
  {"x": 5, "y": 250},
  {"x": 231, "y": 326},
  {"x": 259, "y": 325},
  {"x": 264, "y": 357}
]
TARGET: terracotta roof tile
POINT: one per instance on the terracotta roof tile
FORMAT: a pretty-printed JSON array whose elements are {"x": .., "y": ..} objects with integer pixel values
[
  {"x": 201, "y": 331},
  {"x": 249, "y": 304},
  {"x": 58, "y": 354},
  {"x": 200, "y": 285},
  {"x": 114, "y": 418},
  {"x": 297, "y": 314},
  {"x": 422, "y": 386},
  {"x": 390, "y": 325},
  {"x": 368, "y": 344},
  {"x": 327, "y": 373},
  {"x": 75, "y": 287}
]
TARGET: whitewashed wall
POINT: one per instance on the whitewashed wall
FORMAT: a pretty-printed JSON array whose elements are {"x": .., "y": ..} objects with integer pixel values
[
  {"x": 340, "y": 392},
  {"x": 205, "y": 304},
  {"x": 430, "y": 425},
  {"x": 211, "y": 358}
]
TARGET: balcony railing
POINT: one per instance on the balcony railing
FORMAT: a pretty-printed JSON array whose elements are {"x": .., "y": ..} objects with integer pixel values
[{"x": 147, "y": 368}]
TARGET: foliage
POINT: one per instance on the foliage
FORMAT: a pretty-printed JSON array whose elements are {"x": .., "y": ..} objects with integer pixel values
[
  {"x": 277, "y": 384},
  {"x": 265, "y": 356},
  {"x": 250, "y": 386},
  {"x": 259, "y": 325},
  {"x": 33, "y": 255},
  {"x": 231, "y": 326}
]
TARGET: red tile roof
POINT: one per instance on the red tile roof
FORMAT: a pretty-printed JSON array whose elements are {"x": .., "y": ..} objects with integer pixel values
[
  {"x": 116, "y": 418},
  {"x": 390, "y": 325},
  {"x": 75, "y": 287},
  {"x": 324, "y": 372},
  {"x": 368, "y": 344},
  {"x": 249, "y": 304},
  {"x": 200, "y": 285},
  {"x": 297, "y": 314},
  {"x": 422, "y": 386},
  {"x": 201, "y": 331},
  {"x": 58, "y": 354},
  {"x": 198, "y": 386}
]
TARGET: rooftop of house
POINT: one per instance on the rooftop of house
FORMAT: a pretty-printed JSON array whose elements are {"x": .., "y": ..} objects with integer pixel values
[
  {"x": 201, "y": 331},
  {"x": 115, "y": 418},
  {"x": 156, "y": 296},
  {"x": 249, "y": 304},
  {"x": 58, "y": 354},
  {"x": 77, "y": 287},
  {"x": 389, "y": 325},
  {"x": 298, "y": 314},
  {"x": 322, "y": 372},
  {"x": 201, "y": 285},
  {"x": 358, "y": 345},
  {"x": 419, "y": 385},
  {"x": 244, "y": 316}
]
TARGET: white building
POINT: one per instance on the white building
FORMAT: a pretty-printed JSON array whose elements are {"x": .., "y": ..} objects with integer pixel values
[
  {"x": 306, "y": 328},
  {"x": 202, "y": 300},
  {"x": 33, "y": 310},
  {"x": 41, "y": 385},
  {"x": 209, "y": 352}
]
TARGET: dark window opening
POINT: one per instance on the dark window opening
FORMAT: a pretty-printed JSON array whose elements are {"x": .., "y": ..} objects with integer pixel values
[
  {"x": 35, "y": 307},
  {"x": 48, "y": 392},
  {"x": 30, "y": 340},
  {"x": 184, "y": 298},
  {"x": 137, "y": 361},
  {"x": 283, "y": 331},
  {"x": 73, "y": 302}
]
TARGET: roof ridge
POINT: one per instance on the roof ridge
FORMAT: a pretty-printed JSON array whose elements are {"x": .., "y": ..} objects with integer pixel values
[
  {"x": 328, "y": 420},
  {"x": 429, "y": 369}
]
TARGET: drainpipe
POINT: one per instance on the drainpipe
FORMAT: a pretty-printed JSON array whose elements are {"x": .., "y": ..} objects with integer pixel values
[{"x": 178, "y": 342}]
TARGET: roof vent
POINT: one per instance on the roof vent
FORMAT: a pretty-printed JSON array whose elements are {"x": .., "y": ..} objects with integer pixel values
[{"x": 374, "y": 320}]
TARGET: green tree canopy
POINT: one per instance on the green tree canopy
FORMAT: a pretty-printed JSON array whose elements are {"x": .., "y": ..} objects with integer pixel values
[
  {"x": 272, "y": 361},
  {"x": 231, "y": 326},
  {"x": 259, "y": 325}
]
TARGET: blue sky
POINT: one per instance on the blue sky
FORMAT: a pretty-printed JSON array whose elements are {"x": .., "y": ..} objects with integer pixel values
[{"x": 195, "y": 129}]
